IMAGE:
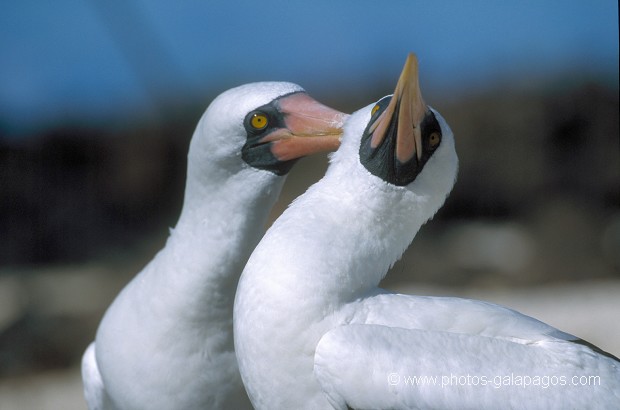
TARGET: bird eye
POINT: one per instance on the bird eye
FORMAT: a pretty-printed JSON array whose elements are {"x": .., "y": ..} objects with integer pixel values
[
  {"x": 374, "y": 109},
  {"x": 259, "y": 121},
  {"x": 434, "y": 139}
]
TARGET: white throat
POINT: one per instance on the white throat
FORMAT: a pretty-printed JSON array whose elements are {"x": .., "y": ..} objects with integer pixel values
[{"x": 209, "y": 253}]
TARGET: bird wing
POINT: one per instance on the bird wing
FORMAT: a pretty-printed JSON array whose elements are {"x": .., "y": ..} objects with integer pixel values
[
  {"x": 365, "y": 366},
  {"x": 454, "y": 315},
  {"x": 94, "y": 389}
]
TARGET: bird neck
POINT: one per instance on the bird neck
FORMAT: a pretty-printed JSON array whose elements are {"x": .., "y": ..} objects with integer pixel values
[
  {"x": 221, "y": 222},
  {"x": 330, "y": 247},
  {"x": 338, "y": 240}
]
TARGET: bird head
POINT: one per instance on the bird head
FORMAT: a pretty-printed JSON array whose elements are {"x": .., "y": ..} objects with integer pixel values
[
  {"x": 401, "y": 140},
  {"x": 266, "y": 126}
]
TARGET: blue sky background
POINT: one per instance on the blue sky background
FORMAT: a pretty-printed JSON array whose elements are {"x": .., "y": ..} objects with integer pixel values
[{"x": 102, "y": 59}]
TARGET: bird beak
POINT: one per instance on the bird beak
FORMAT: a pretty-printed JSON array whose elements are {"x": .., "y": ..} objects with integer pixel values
[
  {"x": 310, "y": 127},
  {"x": 407, "y": 109}
]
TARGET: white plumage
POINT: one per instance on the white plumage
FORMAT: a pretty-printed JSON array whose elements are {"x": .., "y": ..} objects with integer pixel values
[
  {"x": 166, "y": 341},
  {"x": 313, "y": 330}
]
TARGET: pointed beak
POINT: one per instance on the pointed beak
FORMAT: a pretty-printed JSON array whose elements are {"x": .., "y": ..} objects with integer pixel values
[
  {"x": 310, "y": 127},
  {"x": 407, "y": 109}
]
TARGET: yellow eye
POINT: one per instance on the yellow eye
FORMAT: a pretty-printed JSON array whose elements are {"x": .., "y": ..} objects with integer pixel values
[
  {"x": 259, "y": 121},
  {"x": 374, "y": 109},
  {"x": 434, "y": 139}
]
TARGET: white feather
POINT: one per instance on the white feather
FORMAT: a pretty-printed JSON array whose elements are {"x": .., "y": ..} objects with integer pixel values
[{"x": 313, "y": 330}]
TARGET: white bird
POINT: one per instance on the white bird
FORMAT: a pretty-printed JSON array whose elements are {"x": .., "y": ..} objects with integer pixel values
[
  {"x": 313, "y": 331},
  {"x": 166, "y": 341}
]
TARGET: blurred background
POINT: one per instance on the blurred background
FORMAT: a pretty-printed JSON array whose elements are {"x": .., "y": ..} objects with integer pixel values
[{"x": 99, "y": 99}]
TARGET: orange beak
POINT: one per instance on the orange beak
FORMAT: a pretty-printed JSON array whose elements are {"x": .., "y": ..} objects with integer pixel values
[
  {"x": 407, "y": 102},
  {"x": 311, "y": 127}
]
